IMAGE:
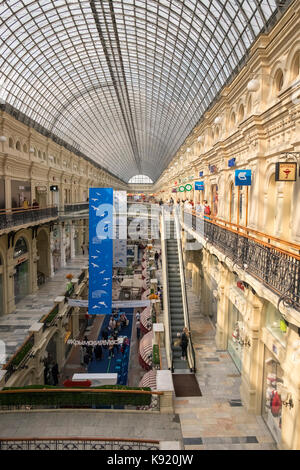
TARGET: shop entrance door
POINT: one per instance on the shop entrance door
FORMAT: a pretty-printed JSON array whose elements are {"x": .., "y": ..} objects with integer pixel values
[{"x": 21, "y": 281}]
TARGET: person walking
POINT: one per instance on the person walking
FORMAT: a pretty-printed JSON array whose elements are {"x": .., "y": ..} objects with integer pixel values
[
  {"x": 55, "y": 373},
  {"x": 138, "y": 329},
  {"x": 184, "y": 340},
  {"x": 207, "y": 210},
  {"x": 86, "y": 360},
  {"x": 98, "y": 352},
  {"x": 156, "y": 258}
]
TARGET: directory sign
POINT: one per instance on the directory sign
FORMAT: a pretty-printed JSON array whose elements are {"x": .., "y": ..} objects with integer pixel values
[
  {"x": 199, "y": 185},
  {"x": 100, "y": 250},
  {"x": 243, "y": 177}
]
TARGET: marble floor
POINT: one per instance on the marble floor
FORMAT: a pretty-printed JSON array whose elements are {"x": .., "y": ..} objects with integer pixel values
[
  {"x": 14, "y": 327},
  {"x": 217, "y": 420}
]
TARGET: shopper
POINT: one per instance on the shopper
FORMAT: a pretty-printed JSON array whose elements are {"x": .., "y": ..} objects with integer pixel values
[
  {"x": 55, "y": 373},
  {"x": 138, "y": 329},
  {"x": 207, "y": 210},
  {"x": 98, "y": 352},
  {"x": 156, "y": 258},
  {"x": 184, "y": 340}
]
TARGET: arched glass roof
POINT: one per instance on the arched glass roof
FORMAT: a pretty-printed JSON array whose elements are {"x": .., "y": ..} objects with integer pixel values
[
  {"x": 140, "y": 179},
  {"x": 125, "y": 81}
]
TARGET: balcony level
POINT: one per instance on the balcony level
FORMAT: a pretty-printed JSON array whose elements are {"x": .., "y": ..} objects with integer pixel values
[
  {"x": 273, "y": 262},
  {"x": 19, "y": 218}
]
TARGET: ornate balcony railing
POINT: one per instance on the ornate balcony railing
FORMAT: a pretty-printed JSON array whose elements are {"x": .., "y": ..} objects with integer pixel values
[
  {"x": 77, "y": 443},
  {"x": 80, "y": 206},
  {"x": 20, "y": 216},
  {"x": 271, "y": 261}
]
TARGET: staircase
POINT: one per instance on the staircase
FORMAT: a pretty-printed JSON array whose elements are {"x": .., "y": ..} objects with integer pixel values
[{"x": 175, "y": 299}]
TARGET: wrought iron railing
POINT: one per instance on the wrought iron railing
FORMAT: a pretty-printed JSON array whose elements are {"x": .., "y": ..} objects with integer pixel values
[
  {"x": 276, "y": 267},
  {"x": 81, "y": 206},
  {"x": 77, "y": 443},
  {"x": 20, "y": 216}
]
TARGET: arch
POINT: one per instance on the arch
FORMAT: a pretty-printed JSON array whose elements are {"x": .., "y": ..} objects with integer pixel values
[
  {"x": 295, "y": 68},
  {"x": 43, "y": 251},
  {"x": 22, "y": 250},
  {"x": 232, "y": 119},
  {"x": 11, "y": 143},
  {"x": 241, "y": 112},
  {"x": 278, "y": 81},
  {"x": 140, "y": 179},
  {"x": 18, "y": 145}
]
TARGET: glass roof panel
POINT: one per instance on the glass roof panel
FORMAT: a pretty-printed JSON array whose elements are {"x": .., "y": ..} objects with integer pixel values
[{"x": 125, "y": 81}]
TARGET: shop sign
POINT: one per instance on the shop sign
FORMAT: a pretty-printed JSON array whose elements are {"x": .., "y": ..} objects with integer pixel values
[
  {"x": 174, "y": 190},
  {"x": 54, "y": 188},
  {"x": 199, "y": 185},
  {"x": 41, "y": 189},
  {"x": 181, "y": 189},
  {"x": 285, "y": 171},
  {"x": 201, "y": 173},
  {"x": 21, "y": 260},
  {"x": 243, "y": 177},
  {"x": 231, "y": 162},
  {"x": 188, "y": 187}
]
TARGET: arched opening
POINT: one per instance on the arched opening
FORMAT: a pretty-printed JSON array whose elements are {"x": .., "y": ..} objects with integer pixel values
[
  {"x": 231, "y": 202},
  {"x": 10, "y": 143},
  {"x": 214, "y": 200},
  {"x": 295, "y": 71},
  {"x": 22, "y": 275},
  {"x": 278, "y": 81},
  {"x": 140, "y": 179},
  {"x": 43, "y": 268},
  {"x": 271, "y": 205},
  {"x": 18, "y": 145},
  {"x": 25, "y": 148},
  {"x": 241, "y": 112},
  {"x": 232, "y": 119}
]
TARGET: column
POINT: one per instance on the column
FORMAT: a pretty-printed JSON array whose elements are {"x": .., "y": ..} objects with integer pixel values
[
  {"x": 62, "y": 246},
  {"x": 253, "y": 356},
  {"x": 33, "y": 265},
  {"x": 10, "y": 281},
  {"x": 72, "y": 240},
  {"x": 7, "y": 192},
  {"x": 222, "y": 314}
]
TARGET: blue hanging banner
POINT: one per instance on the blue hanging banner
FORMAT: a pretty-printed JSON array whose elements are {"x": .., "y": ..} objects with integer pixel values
[{"x": 100, "y": 250}]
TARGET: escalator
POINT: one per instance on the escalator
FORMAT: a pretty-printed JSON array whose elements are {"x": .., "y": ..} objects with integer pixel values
[{"x": 175, "y": 299}]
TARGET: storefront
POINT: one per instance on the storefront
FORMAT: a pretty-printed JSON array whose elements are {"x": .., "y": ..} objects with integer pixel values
[
  {"x": 235, "y": 335},
  {"x": 275, "y": 335},
  {"x": 22, "y": 275}
]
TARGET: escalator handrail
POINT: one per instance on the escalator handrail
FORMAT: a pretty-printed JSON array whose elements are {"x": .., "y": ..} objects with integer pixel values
[
  {"x": 184, "y": 294},
  {"x": 166, "y": 297}
]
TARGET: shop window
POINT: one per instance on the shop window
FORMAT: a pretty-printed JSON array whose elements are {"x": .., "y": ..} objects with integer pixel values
[
  {"x": 276, "y": 324},
  {"x": 18, "y": 145},
  {"x": 272, "y": 405},
  {"x": 236, "y": 336},
  {"x": 20, "y": 247}
]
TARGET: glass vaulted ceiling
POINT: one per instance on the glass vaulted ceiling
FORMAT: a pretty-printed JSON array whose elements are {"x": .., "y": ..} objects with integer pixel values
[{"x": 123, "y": 81}]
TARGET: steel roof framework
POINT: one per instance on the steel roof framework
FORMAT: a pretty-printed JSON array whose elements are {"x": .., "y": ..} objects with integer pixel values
[{"x": 125, "y": 80}]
